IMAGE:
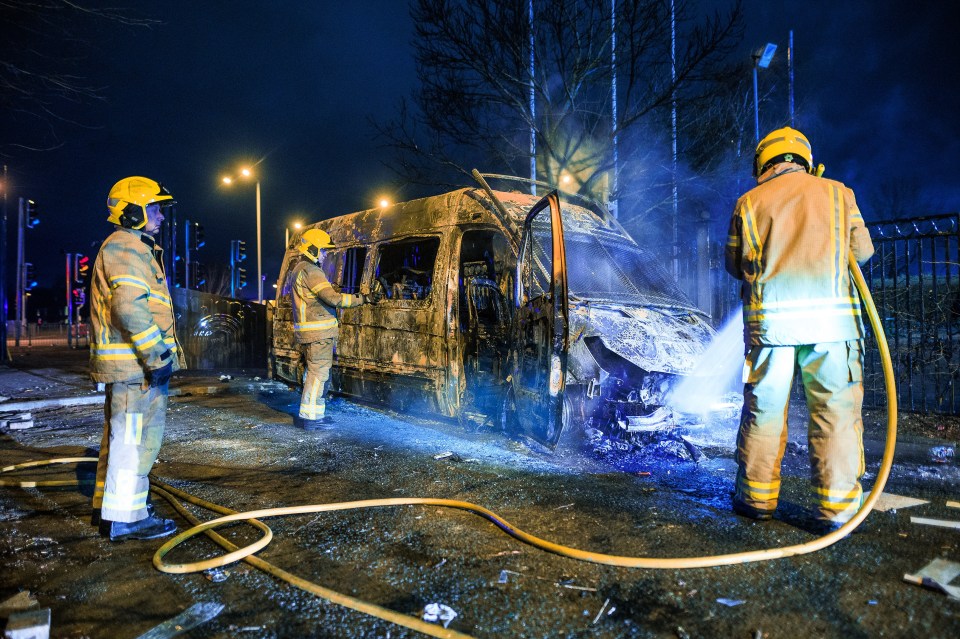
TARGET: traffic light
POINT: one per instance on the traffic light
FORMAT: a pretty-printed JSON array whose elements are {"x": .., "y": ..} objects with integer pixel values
[
  {"x": 197, "y": 236},
  {"x": 239, "y": 248},
  {"x": 29, "y": 279},
  {"x": 198, "y": 277},
  {"x": 30, "y": 214},
  {"x": 241, "y": 275},
  {"x": 81, "y": 267}
]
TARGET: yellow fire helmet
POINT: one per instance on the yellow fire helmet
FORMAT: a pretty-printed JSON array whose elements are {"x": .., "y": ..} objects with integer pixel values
[
  {"x": 782, "y": 145},
  {"x": 128, "y": 200},
  {"x": 312, "y": 241}
]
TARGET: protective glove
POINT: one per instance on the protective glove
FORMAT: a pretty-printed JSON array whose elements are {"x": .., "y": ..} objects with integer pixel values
[
  {"x": 371, "y": 298},
  {"x": 161, "y": 376}
]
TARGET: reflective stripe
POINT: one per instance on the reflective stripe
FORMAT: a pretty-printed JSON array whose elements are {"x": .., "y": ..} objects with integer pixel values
[
  {"x": 839, "y": 241},
  {"x": 750, "y": 224},
  {"x": 130, "y": 280},
  {"x": 147, "y": 338},
  {"x": 160, "y": 299},
  {"x": 124, "y": 499},
  {"x": 831, "y": 498},
  {"x": 322, "y": 286},
  {"x": 113, "y": 351},
  {"x": 316, "y": 326},
  {"x": 759, "y": 491},
  {"x": 126, "y": 503},
  {"x": 134, "y": 430}
]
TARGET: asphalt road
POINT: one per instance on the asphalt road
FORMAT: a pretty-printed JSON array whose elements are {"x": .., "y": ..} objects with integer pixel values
[{"x": 237, "y": 447}]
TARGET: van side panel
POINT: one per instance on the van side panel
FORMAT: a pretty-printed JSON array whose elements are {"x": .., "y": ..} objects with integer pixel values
[{"x": 395, "y": 352}]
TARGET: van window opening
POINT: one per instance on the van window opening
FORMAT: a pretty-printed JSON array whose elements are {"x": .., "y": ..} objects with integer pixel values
[
  {"x": 330, "y": 265},
  {"x": 353, "y": 260},
  {"x": 610, "y": 270},
  {"x": 406, "y": 268}
]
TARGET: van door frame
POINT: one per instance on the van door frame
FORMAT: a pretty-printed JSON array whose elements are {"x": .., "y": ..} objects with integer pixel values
[{"x": 538, "y": 403}]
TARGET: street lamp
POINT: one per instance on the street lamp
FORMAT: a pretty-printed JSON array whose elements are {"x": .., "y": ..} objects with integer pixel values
[
  {"x": 296, "y": 226},
  {"x": 761, "y": 59},
  {"x": 228, "y": 180}
]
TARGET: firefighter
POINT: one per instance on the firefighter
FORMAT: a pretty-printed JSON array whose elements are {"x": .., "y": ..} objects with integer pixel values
[
  {"x": 134, "y": 352},
  {"x": 789, "y": 241},
  {"x": 315, "y": 325}
]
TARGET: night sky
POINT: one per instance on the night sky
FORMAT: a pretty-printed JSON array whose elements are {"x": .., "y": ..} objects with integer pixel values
[{"x": 291, "y": 87}]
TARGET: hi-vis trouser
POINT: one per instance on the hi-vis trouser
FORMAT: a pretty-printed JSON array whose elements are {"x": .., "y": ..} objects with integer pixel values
[
  {"x": 832, "y": 374},
  {"x": 133, "y": 429},
  {"x": 318, "y": 358}
]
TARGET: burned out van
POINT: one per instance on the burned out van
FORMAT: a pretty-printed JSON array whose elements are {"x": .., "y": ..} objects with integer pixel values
[{"x": 532, "y": 312}]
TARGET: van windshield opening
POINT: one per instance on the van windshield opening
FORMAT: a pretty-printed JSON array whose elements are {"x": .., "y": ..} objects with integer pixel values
[{"x": 609, "y": 270}]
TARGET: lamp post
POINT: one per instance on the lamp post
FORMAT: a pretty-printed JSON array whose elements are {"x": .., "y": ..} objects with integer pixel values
[
  {"x": 296, "y": 226},
  {"x": 228, "y": 180},
  {"x": 761, "y": 60}
]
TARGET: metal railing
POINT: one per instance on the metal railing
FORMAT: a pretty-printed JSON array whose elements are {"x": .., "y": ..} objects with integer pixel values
[
  {"x": 33, "y": 334},
  {"x": 914, "y": 278}
]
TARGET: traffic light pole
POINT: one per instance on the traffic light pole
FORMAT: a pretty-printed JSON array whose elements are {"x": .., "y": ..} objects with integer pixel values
[
  {"x": 186, "y": 254},
  {"x": 69, "y": 301},
  {"x": 20, "y": 311},
  {"x": 4, "y": 355}
]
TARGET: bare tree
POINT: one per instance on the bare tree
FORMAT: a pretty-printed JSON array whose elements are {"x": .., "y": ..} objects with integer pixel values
[
  {"x": 473, "y": 108},
  {"x": 43, "y": 46}
]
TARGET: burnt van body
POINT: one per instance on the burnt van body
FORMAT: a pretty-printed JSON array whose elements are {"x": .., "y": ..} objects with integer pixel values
[{"x": 535, "y": 313}]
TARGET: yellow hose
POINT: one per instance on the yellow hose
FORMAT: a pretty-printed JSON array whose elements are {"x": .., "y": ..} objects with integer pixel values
[{"x": 246, "y": 553}]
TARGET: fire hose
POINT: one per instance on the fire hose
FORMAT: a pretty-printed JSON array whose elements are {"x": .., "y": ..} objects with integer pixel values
[{"x": 247, "y": 553}]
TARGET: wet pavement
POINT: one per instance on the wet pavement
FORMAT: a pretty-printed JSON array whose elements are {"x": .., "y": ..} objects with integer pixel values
[{"x": 232, "y": 442}]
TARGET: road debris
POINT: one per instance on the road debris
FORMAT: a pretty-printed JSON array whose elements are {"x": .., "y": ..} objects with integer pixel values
[
  {"x": 16, "y": 421},
  {"x": 440, "y": 563},
  {"x": 730, "y": 603},
  {"x": 190, "y": 618},
  {"x": 31, "y": 624},
  {"x": 216, "y": 575},
  {"x": 21, "y": 601},
  {"x": 599, "y": 614},
  {"x": 942, "y": 454},
  {"x": 942, "y": 523},
  {"x": 445, "y": 454},
  {"x": 439, "y": 613},
  {"x": 937, "y": 575},
  {"x": 564, "y": 506},
  {"x": 889, "y": 501},
  {"x": 226, "y": 378}
]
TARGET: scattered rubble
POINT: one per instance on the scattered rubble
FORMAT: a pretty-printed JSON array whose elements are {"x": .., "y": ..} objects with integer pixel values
[
  {"x": 31, "y": 624},
  {"x": 439, "y": 613},
  {"x": 937, "y": 575}
]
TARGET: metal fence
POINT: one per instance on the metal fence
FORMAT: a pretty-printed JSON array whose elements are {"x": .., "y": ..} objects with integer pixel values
[
  {"x": 914, "y": 278},
  {"x": 33, "y": 334},
  {"x": 217, "y": 333}
]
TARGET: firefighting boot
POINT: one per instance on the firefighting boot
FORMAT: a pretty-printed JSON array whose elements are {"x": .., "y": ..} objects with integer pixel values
[
  {"x": 750, "y": 512},
  {"x": 323, "y": 423},
  {"x": 152, "y": 527}
]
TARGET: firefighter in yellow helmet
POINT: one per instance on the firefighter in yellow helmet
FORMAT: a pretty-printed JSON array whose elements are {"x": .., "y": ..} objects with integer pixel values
[
  {"x": 315, "y": 325},
  {"x": 134, "y": 352},
  {"x": 789, "y": 242}
]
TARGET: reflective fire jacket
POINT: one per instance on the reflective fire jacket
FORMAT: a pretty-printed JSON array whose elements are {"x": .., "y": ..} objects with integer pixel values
[
  {"x": 315, "y": 302},
  {"x": 789, "y": 242},
  {"x": 131, "y": 313}
]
